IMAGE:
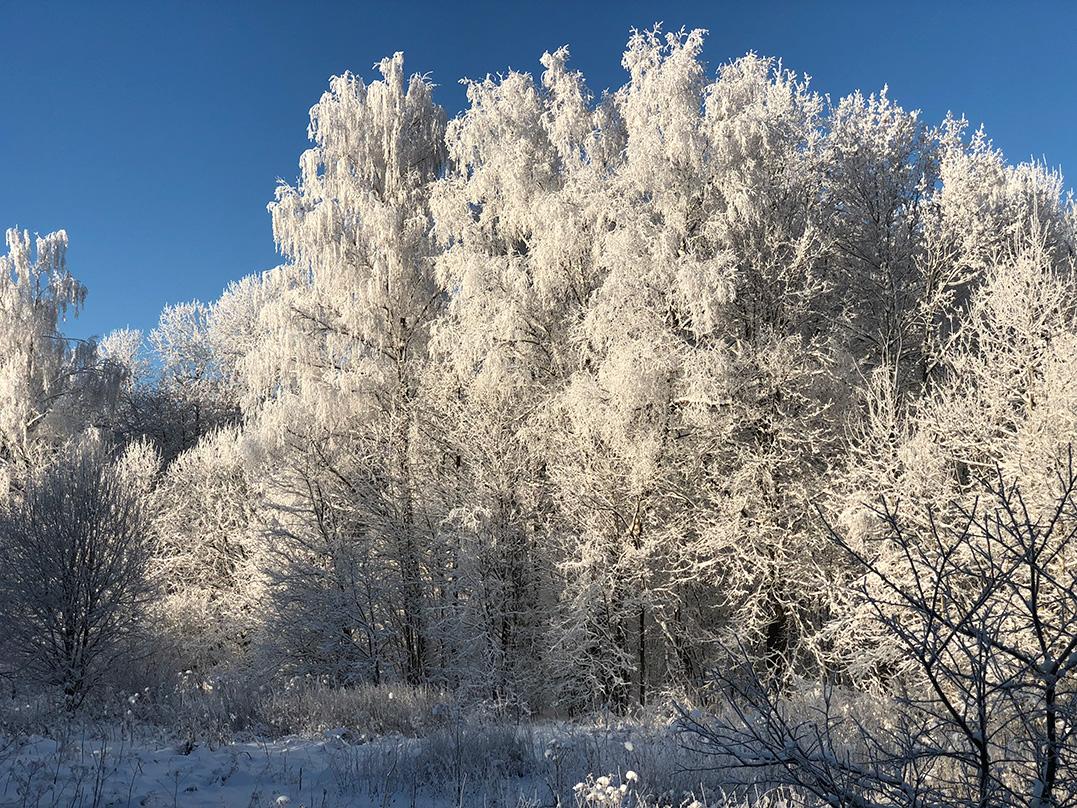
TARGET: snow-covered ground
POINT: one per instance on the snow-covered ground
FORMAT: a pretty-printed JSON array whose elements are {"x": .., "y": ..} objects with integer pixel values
[
  {"x": 291, "y": 771},
  {"x": 288, "y": 771},
  {"x": 487, "y": 766}
]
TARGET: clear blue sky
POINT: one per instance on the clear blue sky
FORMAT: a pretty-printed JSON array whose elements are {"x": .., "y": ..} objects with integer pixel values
[{"x": 154, "y": 133}]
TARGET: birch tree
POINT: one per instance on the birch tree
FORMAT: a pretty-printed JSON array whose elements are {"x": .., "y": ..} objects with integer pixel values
[
  {"x": 39, "y": 369},
  {"x": 349, "y": 334},
  {"x": 517, "y": 215}
]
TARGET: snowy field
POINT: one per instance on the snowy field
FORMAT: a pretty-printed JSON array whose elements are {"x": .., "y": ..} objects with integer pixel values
[
  {"x": 44, "y": 771},
  {"x": 527, "y": 765}
]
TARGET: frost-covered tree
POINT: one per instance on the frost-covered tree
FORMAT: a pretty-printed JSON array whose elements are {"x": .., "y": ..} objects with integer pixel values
[
  {"x": 881, "y": 163},
  {"x": 39, "y": 370},
  {"x": 1002, "y": 402},
  {"x": 517, "y": 214},
  {"x": 348, "y": 333},
  {"x": 545, "y": 401},
  {"x": 190, "y": 371},
  {"x": 177, "y": 384},
  {"x": 615, "y": 423},
  {"x": 209, "y": 556},
  {"x": 776, "y": 374},
  {"x": 75, "y": 548},
  {"x": 697, "y": 412}
]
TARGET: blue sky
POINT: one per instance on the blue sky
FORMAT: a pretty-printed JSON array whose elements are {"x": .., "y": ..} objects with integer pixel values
[{"x": 154, "y": 133}]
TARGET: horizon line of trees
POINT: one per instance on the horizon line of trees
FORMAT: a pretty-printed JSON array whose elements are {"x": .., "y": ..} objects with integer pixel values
[{"x": 545, "y": 400}]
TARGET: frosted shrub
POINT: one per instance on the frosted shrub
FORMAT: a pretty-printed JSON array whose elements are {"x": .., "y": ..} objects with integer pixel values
[
  {"x": 75, "y": 552},
  {"x": 605, "y": 791}
]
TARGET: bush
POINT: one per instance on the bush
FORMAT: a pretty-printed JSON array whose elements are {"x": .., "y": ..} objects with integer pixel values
[
  {"x": 75, "y": 549},
  {"x": 982, "y": 612}
]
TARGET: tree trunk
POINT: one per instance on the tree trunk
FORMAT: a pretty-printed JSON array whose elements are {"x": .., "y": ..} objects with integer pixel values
[{"x": 642, "y": 640}]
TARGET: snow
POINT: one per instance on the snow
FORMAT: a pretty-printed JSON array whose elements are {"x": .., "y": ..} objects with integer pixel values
[
  {"x": 295, "y": 769},
  {"x": 291, "y": 771},
  {"x": 467, "y": 763}
]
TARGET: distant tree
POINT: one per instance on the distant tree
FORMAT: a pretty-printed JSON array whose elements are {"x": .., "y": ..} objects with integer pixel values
[{"x": 173, "y": 387}]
